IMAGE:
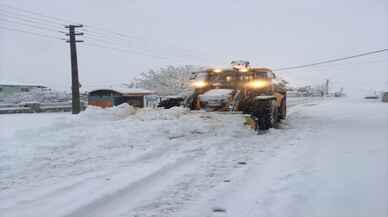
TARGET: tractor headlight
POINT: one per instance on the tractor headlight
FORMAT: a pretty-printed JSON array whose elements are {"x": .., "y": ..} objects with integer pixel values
[
  {"x": 243, "y": 70},
  {"x": 258, "y": 84},
  {"x": 199, "y": 84},
  {"x": 217, "y": 70}
]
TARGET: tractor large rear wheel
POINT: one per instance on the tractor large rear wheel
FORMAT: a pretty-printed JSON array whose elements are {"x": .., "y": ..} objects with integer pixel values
[{"x": 267, "y": 117}]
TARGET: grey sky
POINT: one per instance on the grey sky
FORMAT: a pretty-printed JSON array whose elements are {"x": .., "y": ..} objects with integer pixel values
[{"x": 202, "y": 32}]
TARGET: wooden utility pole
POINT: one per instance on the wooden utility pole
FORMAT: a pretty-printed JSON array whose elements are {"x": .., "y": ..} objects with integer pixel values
[
  {"x": 327, "y": 87},
  {"x": 75, "y": 85}
]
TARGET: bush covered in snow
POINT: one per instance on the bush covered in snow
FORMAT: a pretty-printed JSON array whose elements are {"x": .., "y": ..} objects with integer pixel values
[{"x": 171, "y": 80}]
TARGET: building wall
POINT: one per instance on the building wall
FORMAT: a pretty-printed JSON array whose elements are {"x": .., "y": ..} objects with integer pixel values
[
  {"x": 106, "y": 98},
  {"x": 110, "y": 101},
  {"x": 100, "y": 101},
  {"x": 137, "y": 101}
]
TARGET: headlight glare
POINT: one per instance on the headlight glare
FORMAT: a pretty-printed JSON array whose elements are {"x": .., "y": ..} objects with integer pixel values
[
  {"x": 258, "y": 84},
  {"x": 199, "y": 84}
]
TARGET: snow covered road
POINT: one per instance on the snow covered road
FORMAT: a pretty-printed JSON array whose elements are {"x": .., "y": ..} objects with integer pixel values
[
  {"x": 337, "y": 165},
  {"x": 330, "y": 158}
]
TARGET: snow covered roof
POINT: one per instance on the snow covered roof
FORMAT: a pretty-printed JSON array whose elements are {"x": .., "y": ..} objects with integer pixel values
[
  {"x": 117, "y": 88},
  {"x": 12, "y": 83}
]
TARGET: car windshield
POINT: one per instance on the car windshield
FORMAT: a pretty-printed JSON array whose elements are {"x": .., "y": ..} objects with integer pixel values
[
  {"x": 261, "y": 74},
  {"x": 224, "y": 80}
]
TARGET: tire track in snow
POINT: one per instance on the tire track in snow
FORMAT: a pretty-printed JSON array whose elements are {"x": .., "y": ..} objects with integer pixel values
[
  {"x": 168, "y": 176},
  {"x": 215, "y": 169},
  {"x": 126, "y": 198},
  {"x": 273, "y": 143},
  {"x": 189, "y": 151}
]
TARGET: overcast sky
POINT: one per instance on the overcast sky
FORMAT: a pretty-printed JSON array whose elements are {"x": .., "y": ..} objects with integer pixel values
[{"x": 202, "y": 32}]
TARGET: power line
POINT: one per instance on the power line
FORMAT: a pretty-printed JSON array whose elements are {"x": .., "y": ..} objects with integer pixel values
[
  {"x": 351, "y": 64},
  {"x": 123, "y": 38},
  {"x": 99, "y": 31},
  {"x": 127, "y": 46},
  {"x": 327, "y": 69},
  {"x": 341, "y": 70},
  {"x": 30, "y": 33},
  {"x": 331, "y": 60},
  {"x": 17, "y": 15},
  {"x": 49, "y": 19},
  {"x": 120, "y": 36},
  {"x": 104, "y": 40},
  {"x": 8, "y": 21},
  {"x": 37, "y": 14},
  {"x": 105, "y": 32},
  {"x": 28, "y": 20},
  {"x": 130, "y": 51}
]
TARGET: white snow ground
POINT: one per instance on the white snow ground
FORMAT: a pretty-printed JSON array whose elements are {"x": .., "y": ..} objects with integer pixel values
[{"x": 330, "y": 158}]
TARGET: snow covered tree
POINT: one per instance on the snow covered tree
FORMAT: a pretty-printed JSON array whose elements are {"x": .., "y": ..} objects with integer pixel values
[{"x": 170, "y": 80}]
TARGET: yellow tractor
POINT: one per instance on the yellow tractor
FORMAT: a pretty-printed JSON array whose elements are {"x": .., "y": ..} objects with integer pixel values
[{"x": 254, "y": 91}]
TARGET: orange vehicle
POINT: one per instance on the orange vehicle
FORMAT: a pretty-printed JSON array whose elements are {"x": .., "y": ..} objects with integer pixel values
[{"x": 254, "y": 91}]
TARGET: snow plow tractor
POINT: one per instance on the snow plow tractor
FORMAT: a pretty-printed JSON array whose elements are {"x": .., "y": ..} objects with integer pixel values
[{"x": 241, "y": 89}]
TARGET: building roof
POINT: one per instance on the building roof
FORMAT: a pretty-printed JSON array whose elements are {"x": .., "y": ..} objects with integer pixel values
[
  {"x": 12, "y": 83},
  {"x": 122, "y": 89}
]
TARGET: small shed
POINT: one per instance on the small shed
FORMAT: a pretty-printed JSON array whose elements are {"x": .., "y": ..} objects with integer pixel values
[{"x": 114, "y": 96}]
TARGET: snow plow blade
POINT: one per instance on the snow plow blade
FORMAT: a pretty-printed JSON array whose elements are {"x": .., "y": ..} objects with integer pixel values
[
  {"x": 265, "y": 98},
  {"x": 249, "y": 121}
]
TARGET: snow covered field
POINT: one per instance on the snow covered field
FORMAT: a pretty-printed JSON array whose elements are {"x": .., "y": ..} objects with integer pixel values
[{"x": 330, "y": 158}]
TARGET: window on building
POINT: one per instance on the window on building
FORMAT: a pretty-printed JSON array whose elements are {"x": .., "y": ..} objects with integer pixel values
[
  {"x": 25, "y": 89},
  {"x": 1, "y": 89}
]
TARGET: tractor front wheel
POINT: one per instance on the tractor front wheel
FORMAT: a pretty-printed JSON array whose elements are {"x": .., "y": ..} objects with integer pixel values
[{"x": 267, "y": 115}]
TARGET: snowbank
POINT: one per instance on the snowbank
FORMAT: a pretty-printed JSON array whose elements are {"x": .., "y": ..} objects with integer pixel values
[
  {"x": 115, "y": 113},
  {"x": 125, "y": 111}
]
